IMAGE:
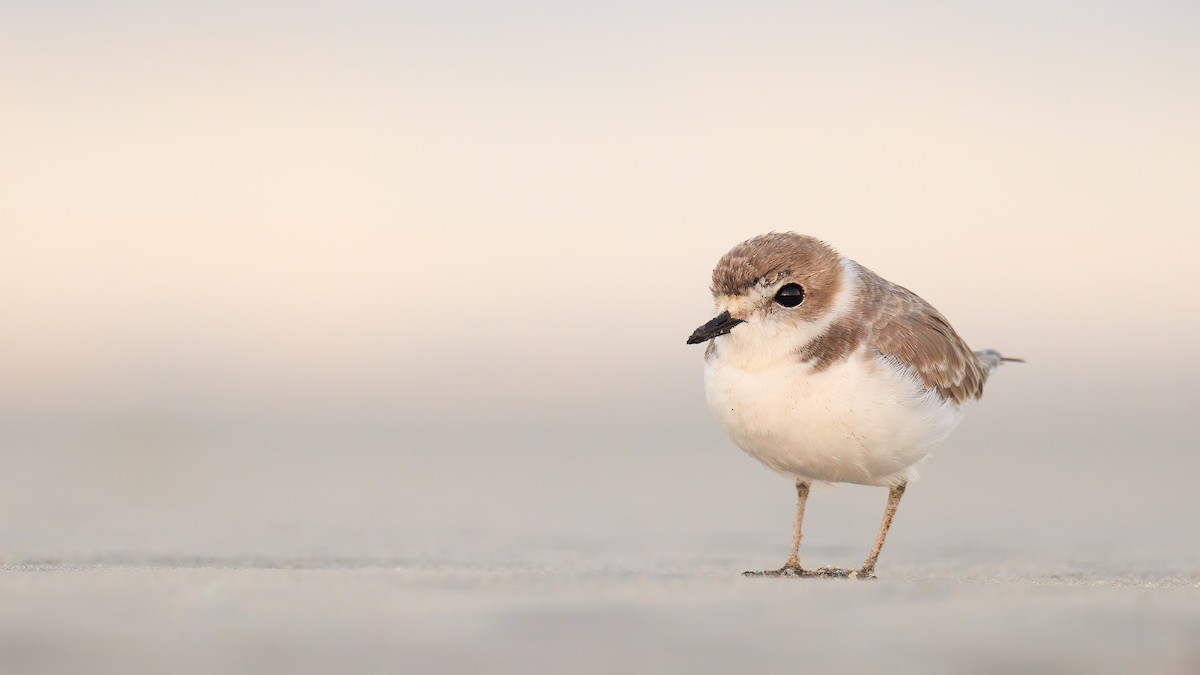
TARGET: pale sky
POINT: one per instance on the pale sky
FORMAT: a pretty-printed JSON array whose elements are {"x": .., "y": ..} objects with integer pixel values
[{"x": 247, "y": 210}]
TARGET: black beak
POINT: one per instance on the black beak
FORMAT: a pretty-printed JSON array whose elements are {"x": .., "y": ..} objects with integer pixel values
[{"x": 718, "y": 326}]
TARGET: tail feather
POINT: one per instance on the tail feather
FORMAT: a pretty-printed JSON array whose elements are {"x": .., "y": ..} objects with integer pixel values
[{"x": 991, "y": 359}]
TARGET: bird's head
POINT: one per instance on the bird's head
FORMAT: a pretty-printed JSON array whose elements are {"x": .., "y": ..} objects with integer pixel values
[{"x": 774, "y": 292}]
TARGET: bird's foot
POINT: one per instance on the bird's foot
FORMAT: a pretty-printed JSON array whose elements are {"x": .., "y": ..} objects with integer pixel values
[
  {"x": 794, "y": 570},
  {"x": 788, "y": 570},
  {"x": 791, "y": 568},
  {"x": 843, "y": 573}
]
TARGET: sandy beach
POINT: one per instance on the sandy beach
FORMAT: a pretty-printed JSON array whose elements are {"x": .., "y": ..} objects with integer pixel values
[
  {"x": 312, "y": 616},
  {"x": 265, "y": 562}
]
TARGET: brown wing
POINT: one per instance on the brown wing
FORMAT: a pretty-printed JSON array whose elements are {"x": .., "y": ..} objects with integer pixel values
[{"x": 909, "y": 330}]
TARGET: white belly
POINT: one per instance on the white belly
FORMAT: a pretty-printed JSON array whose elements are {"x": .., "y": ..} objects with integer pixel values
[{"x": 863, "y": 420}]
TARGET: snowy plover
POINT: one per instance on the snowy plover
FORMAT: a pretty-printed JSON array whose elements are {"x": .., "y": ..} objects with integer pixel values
[{"x": 824, "y": 371}]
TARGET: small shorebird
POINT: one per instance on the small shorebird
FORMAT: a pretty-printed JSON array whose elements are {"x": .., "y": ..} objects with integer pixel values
[{"x": 824, "y": 371}]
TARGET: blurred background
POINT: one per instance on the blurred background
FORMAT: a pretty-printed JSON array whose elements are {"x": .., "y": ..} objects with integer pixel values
[{"x": 410, "y": 283}]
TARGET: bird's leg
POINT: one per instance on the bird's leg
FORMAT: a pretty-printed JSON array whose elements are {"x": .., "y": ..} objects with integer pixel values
[
  {"x": 793, "y": 561},
  {"x": 791, "y": 568},
  {"x": 867, "y": 570}
]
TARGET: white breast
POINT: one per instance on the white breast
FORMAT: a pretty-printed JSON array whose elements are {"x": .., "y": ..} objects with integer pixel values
[{"x": 864, "y": 420}]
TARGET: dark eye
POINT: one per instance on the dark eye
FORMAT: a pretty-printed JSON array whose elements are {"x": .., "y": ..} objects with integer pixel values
[{"x": 790, "y": 295}]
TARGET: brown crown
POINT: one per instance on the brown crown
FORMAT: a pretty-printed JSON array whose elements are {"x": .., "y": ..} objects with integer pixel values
[{"x": 770, "y": 257}]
